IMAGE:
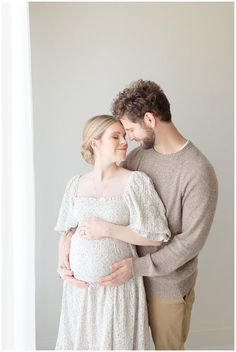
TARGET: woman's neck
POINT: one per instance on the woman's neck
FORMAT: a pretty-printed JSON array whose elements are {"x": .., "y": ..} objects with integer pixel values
[{"x": 103, "y": 172}]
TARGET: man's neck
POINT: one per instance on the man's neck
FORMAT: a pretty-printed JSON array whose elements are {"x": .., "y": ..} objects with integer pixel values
[{"x": 168, "y": 138}]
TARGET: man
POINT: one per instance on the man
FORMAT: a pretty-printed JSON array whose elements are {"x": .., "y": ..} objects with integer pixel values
[{"x": 187, "y": 185}]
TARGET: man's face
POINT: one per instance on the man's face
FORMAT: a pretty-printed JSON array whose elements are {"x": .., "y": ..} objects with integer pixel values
[{"x": 139, "y": 132}]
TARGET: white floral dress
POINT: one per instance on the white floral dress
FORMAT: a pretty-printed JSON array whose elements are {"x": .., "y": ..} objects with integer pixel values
[{"x": 103, "y": 318}]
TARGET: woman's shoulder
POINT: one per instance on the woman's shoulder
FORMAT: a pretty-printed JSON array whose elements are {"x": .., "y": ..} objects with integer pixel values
[
  {"x": 72, "y": 180},
  {"x": 80, "y": 177},
  {"x": 71, "y": 185},
  {"x": 130, "y": 177},
  {"x": 134, "y": 173},
  {"x": 138, "y": 181},
  {"x": 140, "y": 176},
  {"x": 80, "y": 181}
]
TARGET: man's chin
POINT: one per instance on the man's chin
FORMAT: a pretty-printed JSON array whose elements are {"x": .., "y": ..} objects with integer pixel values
[{"x": 144, "y": 145}]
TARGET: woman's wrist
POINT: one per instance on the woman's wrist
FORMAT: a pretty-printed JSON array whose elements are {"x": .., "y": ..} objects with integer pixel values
[{"x": 110, "y": 230}]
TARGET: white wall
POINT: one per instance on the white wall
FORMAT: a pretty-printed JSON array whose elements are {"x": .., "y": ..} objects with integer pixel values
[{"x": 83, "y": 54}]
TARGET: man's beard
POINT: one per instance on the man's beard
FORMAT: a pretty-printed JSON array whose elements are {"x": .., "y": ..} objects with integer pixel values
[{"x": 149, "y": 141}]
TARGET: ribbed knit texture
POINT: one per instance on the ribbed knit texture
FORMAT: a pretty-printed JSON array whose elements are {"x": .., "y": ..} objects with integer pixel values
[{"x": 187, "y": 185}]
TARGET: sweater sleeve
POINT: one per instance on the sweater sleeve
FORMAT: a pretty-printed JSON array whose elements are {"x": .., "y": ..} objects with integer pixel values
[
  {"x": 66, "y": 219},
  {"x": 198, "y": 207},
  {"x": 147, "y": 212}
]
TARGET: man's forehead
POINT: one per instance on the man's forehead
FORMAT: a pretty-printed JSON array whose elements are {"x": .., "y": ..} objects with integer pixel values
[
  {"x": 126, "y": 122},
  {"x": 125, "y": 118}
]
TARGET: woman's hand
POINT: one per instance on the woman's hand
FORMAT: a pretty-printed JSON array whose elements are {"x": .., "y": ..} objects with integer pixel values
[
  {"x": 94, "y": 229},
  {"x": 68, "y": 275}
]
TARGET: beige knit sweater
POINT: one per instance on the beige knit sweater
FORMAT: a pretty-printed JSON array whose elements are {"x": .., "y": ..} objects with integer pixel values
[{"x": 187, "y": 185}]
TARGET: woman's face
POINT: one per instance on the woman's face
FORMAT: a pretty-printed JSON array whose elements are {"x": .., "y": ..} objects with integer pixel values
[{"x": 112, "y": 146}]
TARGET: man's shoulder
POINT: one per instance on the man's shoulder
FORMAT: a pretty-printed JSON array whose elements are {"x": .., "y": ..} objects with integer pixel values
[
  {"x": 197, "y": 165},
  {"x": 133, "y": 159},
  {"x": 136, "y": 152},
  {"x": 197, "y": 158}
]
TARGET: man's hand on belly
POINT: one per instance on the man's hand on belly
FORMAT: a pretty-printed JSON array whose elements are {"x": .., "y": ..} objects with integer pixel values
[{"x": 122, "y": 272}]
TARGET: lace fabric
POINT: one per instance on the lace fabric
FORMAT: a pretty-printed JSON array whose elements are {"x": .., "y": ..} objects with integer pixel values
[{"x": 100, "y": 317}]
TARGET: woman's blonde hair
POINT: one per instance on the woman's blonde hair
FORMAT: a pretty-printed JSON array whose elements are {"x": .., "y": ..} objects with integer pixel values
[{"x": 94, "y": 129}]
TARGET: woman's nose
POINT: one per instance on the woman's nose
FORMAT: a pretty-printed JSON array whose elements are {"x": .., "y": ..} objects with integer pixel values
[{"x": 123, "y": 141}]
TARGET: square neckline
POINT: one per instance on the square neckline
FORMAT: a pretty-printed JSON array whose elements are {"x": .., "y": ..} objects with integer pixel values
[{"x": 114, "y": 197}]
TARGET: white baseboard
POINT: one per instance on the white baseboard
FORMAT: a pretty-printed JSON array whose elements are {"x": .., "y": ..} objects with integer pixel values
[{"x": 218, "y": 339}]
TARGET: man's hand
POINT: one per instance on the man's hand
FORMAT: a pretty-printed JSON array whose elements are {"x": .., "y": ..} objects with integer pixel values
[
  {"x": 68, "y": 275},
  {"x": 122, "y": 272},
  {"x": 94, "y": 229}
]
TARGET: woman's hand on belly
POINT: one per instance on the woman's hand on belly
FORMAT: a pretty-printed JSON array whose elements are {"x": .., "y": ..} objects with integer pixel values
[
  {"x": 68, "y": 275},
  {"x": 91, "y": 260},
  {"x": 94, "y": 229}
]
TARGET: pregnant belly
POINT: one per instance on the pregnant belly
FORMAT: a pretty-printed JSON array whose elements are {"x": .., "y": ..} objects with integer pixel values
[{"x": 91, "y": 259}]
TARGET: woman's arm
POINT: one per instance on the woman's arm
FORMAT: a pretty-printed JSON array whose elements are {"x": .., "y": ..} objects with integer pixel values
[
  {"x": 124, "y": 233},
  {"x": 61, "y": 250},
  {"x": 64, "y": 248},
  {"x": 96, "y": 228}
]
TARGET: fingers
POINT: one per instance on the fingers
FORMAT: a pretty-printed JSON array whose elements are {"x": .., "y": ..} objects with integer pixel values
[
  {"x": 64, "y": 271},
  {"x": 113, "y": 283},
  {"x": 121, "y": 274},
  {"x": 125, "y": 263},
  {"x": 117, "y": 265},
  {"x": 68, "y": 275},
  {"x": 82, "y": 228},
  {"x": 117, "y": 272},
  {"x": 87, "y": 237},
  {"x": 74, "y": 281},
  {"x": 108, "y": 278}
]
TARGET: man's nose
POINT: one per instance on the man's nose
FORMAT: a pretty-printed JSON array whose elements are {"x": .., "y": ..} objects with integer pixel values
[{"x": 131, "y": 137}]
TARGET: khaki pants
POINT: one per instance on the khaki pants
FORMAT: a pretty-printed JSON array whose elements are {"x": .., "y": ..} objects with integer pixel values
[{"x": 169, "y": 320}]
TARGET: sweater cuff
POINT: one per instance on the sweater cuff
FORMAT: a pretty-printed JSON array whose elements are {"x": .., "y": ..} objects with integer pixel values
[{"x": 141, "y": 265}]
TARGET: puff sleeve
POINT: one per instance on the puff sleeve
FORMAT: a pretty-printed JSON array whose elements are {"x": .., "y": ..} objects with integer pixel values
[
  {"x": 66, "y": 219},
  {"x": 147, "y": 212}
]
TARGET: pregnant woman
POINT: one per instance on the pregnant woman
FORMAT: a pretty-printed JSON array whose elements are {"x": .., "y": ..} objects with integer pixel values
[{"x": 95, "y": 317}]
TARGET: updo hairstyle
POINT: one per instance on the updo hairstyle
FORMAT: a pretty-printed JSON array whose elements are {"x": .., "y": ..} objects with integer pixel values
[{"x": 94, "y": 129}]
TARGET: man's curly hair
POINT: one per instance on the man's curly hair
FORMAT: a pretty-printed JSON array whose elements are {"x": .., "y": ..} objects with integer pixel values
[{"x": 141, "y": 97}]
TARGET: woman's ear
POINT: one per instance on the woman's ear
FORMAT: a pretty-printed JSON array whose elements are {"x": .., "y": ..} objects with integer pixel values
[
  {"x": 93, "y": 143},
  {"x": 150, "y": 120}
]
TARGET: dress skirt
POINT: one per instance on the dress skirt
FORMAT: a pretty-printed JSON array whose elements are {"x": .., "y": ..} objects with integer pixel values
[{"x": 103, "y": 318}]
